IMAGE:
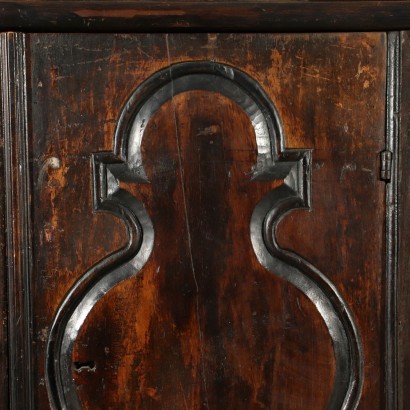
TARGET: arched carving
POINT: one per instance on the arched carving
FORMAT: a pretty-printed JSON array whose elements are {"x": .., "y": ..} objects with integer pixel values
[{"x": 274, "y": 161}]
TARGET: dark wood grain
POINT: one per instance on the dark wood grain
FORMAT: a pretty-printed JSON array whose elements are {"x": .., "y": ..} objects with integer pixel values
[
  {"x": 404, "y": 230},
  {"x": 4, "y": 385},
  {"x": 225, "y": 16},
  {"x": 272, "y": 163},
  {"x": 233, "y": 331},
  {"x": 17, "y": 208}
]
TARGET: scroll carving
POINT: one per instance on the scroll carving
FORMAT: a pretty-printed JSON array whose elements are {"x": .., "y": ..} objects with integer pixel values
[{"x": 274, "y": 162}]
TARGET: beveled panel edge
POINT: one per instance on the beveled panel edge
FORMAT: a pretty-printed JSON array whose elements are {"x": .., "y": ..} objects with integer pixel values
[
  {"x": 209, "y": 16},
  {"x": 291, "y": 164},
  {"x": 15, "y": 130}
]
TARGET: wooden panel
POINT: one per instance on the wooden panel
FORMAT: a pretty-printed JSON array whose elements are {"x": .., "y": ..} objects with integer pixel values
[{"x": 208, "y": 322}]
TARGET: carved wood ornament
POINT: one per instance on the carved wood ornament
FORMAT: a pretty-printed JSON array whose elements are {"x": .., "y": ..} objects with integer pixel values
[{"x": 274, "y": 162}]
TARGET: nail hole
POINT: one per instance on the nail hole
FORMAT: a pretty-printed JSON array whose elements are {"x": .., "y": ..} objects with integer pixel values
[{"x": 84, "y": 366}]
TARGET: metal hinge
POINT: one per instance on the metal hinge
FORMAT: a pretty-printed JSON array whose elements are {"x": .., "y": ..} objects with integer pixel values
[{"x": 386, "y": 159}]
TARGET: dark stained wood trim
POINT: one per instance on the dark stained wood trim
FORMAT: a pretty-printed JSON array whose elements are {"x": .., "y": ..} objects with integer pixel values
[
  {"x": 4, "y": 397},
  {"x": 225, "y": 16},
  {"x": 392, "y": 146},
  {"x": 404, "y": 231},
  {"x": 18, "y": 237}
]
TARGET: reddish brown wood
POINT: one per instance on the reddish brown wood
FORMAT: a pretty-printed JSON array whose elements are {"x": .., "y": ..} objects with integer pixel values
[
  {"x": 233, "y": 334},
  {"x": 3, "y": 301},
  {"x": 237, "y": 339},
  {"x": 227, "y": 16}
]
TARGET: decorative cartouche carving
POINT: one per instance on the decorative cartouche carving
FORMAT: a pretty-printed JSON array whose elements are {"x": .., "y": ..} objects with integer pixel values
[{"x": 274, "y": 162}]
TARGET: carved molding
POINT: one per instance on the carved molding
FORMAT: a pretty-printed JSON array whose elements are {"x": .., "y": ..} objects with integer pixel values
[
  {"x": 392, "y": 223},
  {"x": 14, "y": 121},
  {"x": 125, "y": 163}
]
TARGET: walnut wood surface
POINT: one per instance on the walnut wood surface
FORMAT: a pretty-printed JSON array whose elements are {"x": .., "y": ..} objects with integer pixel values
[
  {"x": 274, "y": 162},
  {"x": 232, "y": 335},
  {"x": 4, "y": 396},
  {"x": 228, "y": 16}
]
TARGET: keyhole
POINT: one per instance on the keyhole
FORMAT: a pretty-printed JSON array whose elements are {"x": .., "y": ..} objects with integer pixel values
[{"x": 85, "y": 366}]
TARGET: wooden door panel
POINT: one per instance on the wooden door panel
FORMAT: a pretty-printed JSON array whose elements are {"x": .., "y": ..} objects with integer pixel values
[
  {"x": 204, "y": 321},
  {"x": 205, "y": 306}
]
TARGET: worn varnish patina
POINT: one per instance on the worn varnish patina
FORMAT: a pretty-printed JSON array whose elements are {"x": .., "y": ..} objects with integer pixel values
[
  {"x": 204, "y": 324},
  {"x": 199, "y": 15},
  {"x": 273, "y": 162}
]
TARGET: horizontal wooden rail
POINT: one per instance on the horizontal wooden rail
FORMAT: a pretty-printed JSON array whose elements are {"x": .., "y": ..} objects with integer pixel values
[{"x": 233, "y": 16}]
